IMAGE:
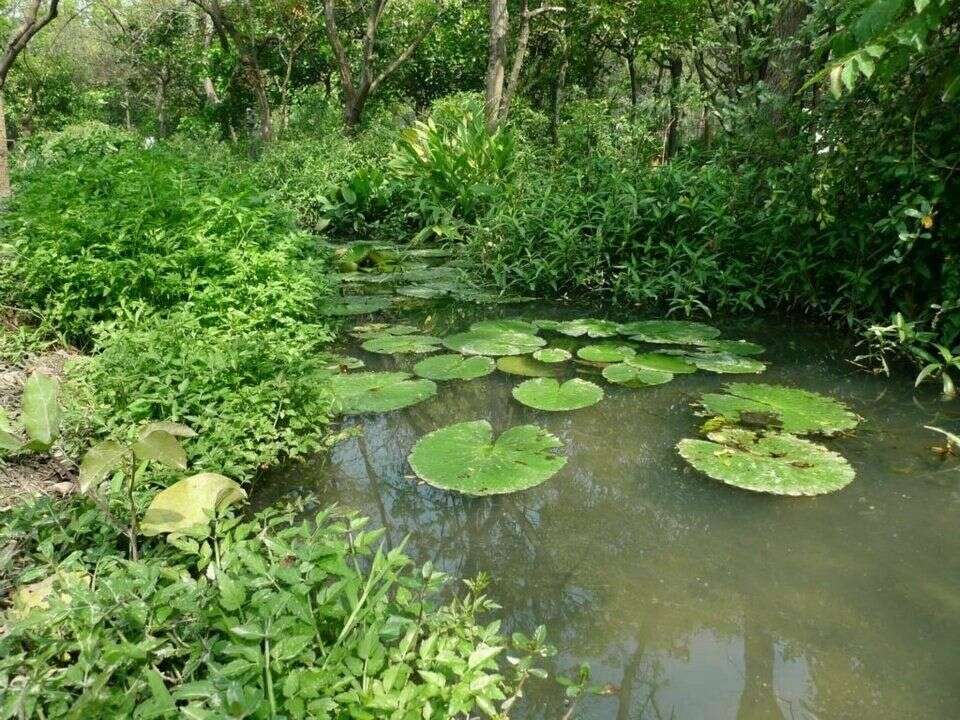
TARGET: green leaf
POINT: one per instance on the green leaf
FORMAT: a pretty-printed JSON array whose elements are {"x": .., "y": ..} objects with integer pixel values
[
  {"x": 663, "y": 362},
  {"x": 356, "y": 305},
  {"x": 518, "y": 326},
  {"x": 732, "y": 347},
  {"x": 552, "y": 355},
  {"x": 526, "y": 366},
  {"x": 724, "y": 363},
  {"x": 482, "y": 654},
  {"x": 174, "y": 428},
  {"x": 40, "y": 413},
  {"x": 454, "y": 367},
  {"x": 464, "y": 457},
  {"x": 163, "y": 447},
  {"x": 590, "y": 327},
  {"x": 99, "y": 463},
  {"x": 609, "y": 352},
  {"x": 187, "y": 505},
  {"x": 548, "y": 394},
  {"x": 369, "y": 392},
  {"x": 397, "y": 344},
  {"x": 776, "y": 463},
  {"x": 633, "y": 376},
  {"x": 232, "y": 593},
  {"x": 494, "y": 342},
  {"x": 670, "y": 332}
]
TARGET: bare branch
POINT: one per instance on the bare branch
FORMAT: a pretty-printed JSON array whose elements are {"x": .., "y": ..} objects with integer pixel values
[{"x": 23, "y": 34}]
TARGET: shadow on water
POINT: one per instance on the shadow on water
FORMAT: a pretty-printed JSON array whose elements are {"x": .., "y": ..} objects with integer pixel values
[{"x": 692, "y": 599}]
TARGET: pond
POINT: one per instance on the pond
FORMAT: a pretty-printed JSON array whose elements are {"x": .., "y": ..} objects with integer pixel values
[{"x": 691, "y": 599}]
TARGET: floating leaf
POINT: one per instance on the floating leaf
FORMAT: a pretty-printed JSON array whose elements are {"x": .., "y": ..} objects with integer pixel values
[
  {"x": 520, "y": 326},
  {"x": 726, "y": 363},
  {"x": 392, "y": 344},
  {"x": 526, "y": 366},
  {"x": 552, "y": 355},
  {"x": 732, "y": 347},
  {"x": 187, "y": 505},
  {"x": 662, "y": 362},
  {"x": 40, "y": 412},
  {"x": 372, "y": 330},
  {"x": 356, "y": 305},
  {"x": 547, "y": 324},
  {"x": 587, "y": 326},
  {"x": 609, "y": 352},
  {"x": 549, "y": 394},
  {"x": 633, "y": 376},
  {"x": 428, "y": 291},
  {"x": 159, "y": 445},
  {"x": 494, "y": 342},
  {"x": 339, "y": 363},
  {"x": 454, "y": 367},
  {"x": 465, "y": 458},
  {"x": 370, "y": 392},
  {"x": 99, "y": 463},
  {"x": 672, "y": 332},
  {"x": 799, "y": 412},
  {"x": 777, "y": 463}
]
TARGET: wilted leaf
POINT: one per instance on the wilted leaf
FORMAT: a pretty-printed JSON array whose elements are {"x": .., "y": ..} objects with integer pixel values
[
  {"x": 99, "y": 463},
  {"x": 163, "y": 447},
  {"x": 187, "y": 505}
]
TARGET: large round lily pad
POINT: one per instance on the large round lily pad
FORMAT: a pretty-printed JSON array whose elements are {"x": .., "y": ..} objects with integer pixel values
[
  {"x": 552, "y": 355},
  {"x": 662, "y": 362},
  {"x": 526, "y": 366},
  {"x": 633, "y": 376},
  {"x": 549, "y": 394},
  {"x": 726, "y": 363},
  {"x": 394, "y": 344},
  {"x": 187, "y": 505},
  {"x": 464, "y": 457},
  {"x": 520, "y": 326},
  {"x": 494, "y": 342},
  {"x": 733, "y": 347},
  {"x": 671, "y": 332},
  {"x": 372, "y": 330},
  {"x": 791, "y": 410},
  {"x": 608, "y": 352},
  {"x": 454, "y": 367},
  {"x": 777, "y": 463},
  {"x": 370, "y": 392},
  {"x": 356, "y": 305},
  {"x": 590, "y": 327}
]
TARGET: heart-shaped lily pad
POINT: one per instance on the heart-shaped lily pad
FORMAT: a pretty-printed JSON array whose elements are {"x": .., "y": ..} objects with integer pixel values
[
  {"x": 590, "y": 327},
  {"x": 732, "y": 347},
  {"x": 552, "y": 355},
  {"x": 370, "y": 392},
  {"x": 454, "y": 367},
  {"x": 494, "y": 342},
  {"x": 393, "y": 344},
  {"x": 187, "y": 505},
  {"x": 609, "y": 352},
  {"x": 662, "y": 362},
  {"x": 549, "y": 394},
  {"x": 372, "y": 330},
  {"x": 464, "y": 457},
  {"x": 520, "y": 326},
  {"x": 526, "y": 366},
  {"x": 356, "y": 305},
  {"x": 633, "y": 376},
  {"x": 795, "y": 411},
  {"x": 777, "y": 463},
  {"x": 428, "y": 291},
  {"x": 726, "y": 363},
  {"x": 671, "y": 332}
]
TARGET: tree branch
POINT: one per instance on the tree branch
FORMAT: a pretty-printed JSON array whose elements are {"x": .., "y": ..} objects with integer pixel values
[{"x": 22, "y": 35}]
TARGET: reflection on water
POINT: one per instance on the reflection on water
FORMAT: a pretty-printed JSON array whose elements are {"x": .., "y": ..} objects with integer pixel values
[{"x": 693, "y": 599}]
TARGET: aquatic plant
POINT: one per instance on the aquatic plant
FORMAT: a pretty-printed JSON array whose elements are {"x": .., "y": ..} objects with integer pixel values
[
  {"x": 494, "y": 342},
  {"x": 526, "y": 366},
  {"x": 355, "y": 305},
  {"x": 733, "y": 347},
  {"x": 370, "y": 392},
  {"x": 609, "y": 352},
  {"x": 552, "y": 355},
  {"x": 662, "y": 361},
  {"x": 464, "y": 457},
  {"x": 520, "y": 326},
  {"x": 551, "y": 395},
  {"x": 726, "y": 363},
  {"x": 669, "y": 332},
  {"x": 372, "y": 330},
  {"x": 589, "y": 327},
  {"x": 635, "y": 376},
  {"x": 398, "y": 344},
  {"x": 454, "y": 367}
]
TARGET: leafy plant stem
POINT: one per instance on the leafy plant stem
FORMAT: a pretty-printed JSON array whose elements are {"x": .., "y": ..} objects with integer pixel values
[{"x": 134, "y": 550}]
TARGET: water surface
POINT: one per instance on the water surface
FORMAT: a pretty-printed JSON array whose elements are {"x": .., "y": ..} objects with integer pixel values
[{"x": 693, "y": 599}]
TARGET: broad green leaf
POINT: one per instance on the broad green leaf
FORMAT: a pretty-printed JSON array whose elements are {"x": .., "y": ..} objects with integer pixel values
[
  {"x": 494, "y": 342},
  {"x": 669, "y": 332},
  {"x": 609, "y": 352},
  {"x": 163, "y": 447},
  {"x": 663, "y": 362},
  {"x": 454, "y": 367},
  {"x": 429, "y": 291},
  {"x": 372, "y": 330},
  {"x": 526, "y": 366},
  {"x": 732, "y": 347},
  {"x": 174, "y": 428},
  {"x": 549, "y": 394},
  {"x": 99, "y": 463},
  {"x": 777, "y": 463},
  {"x": 791, "y": 410},
  {"x": 464, "y": 457},
  {"x": 724, "y": 363},
  {"x": 356, "y": 305},
  {"x": 371, "y": 392},
  {"x": 519, "y": 326},
  {"x": 589, "y": 327},
  {"x": 552, "y": 355},
  {"x": 187, "y": 506},
  {"x": 40, "y": 412},
  {"x": 397, "y": 344},
  {"x": 633, "y": 376}
]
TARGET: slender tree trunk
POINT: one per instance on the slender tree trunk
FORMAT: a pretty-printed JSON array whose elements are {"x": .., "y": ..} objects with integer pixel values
[
  {"x": 672, "y": 143},
  {"x": 496, "y": 61},
  {"x": 559, "y": 83},
  {"x": 4, "y": 153},
  {"x": 208, "y": 88},
  {"x": 634, "y": 84},
  {"x": 255, "y": 81},
  {"x": 783, "y": 74}
]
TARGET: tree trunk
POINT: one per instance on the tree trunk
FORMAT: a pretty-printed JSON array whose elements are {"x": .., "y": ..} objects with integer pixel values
[
  {"x": 558, "y": 86},
  {"x": 352, "y": 112},
  {"x": 634, "y": 84},
  {"x": 496, "y": 61},
  {"x": 783, "y": 74},
  {"x": 4, "y": 154},
  {"x": 255, "y": 81},
  {"x": 672, "y": 143}
]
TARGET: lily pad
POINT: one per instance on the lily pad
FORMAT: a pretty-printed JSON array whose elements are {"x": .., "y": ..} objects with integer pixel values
[
  {"x": 733, "y": 347},
  {"x": 796, "y": 411},
  {"x": 552, "y": 355},
  {"x": 371, "y": 392},
  {"x": 428, "y": 291},
  {"x": 547, "y": 324},
  {"x": 609, "y": 352},
  {"x": 590, "y": 327},
  {"x": 356, "y": 305},
  {"x": 633, "y": 376},
  {"x": 394, "y": 344},
  {"x": 187, "y": 505},
  {"x": 526, "y": 366},
  {"x": 372, "y": 330},
  {"x": 726, "y": 364},
  {"x": 662, "y": 362},
  {"x": 494, "y": 342},
  {"x": 520, "y": 326},
  {"x": 549, "y": 394},
  {"x": 670, "y": 332},
  {"x": 464, "y": 457},
  {"x": 454, "y": 367},
  {"x": 777, "y": 463}
]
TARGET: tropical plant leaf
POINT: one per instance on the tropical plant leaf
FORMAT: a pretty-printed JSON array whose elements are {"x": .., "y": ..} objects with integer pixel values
[
  {"x": 609, "y": 352},
  {"x": 777, "y": 463},
  {"x": 454, "y": 367},
  {"x": 552, "y": 355},
  {"x": 356, "y": 305},
  {"x": 526, "y": 366},
  {"x": 590, "y": 327},
  {"x": 633, "y": 376},
  {"x": 161, "y": 446},
  {"x": 40, "y": 411},
  {"x": 371, "y": 392},
  {"x": 174, "y": 428},
  {"x": 494, "y": 342},
  {"x": 795, "y": 411},
  {"x": 99, "y": 463},
  {"x": 519, "y": 326},
  {"x": 669, "y": 332},
  {"x": 726, "y": 364},
  {"x": 187, "y": 506},
  {"x": 732, "y": 347},
  {"x": 662, "y": 362},
  {"x": 549, "y": 394},
  {"x": 395, "y": 344},
  {"x": 465, "y": 458}
]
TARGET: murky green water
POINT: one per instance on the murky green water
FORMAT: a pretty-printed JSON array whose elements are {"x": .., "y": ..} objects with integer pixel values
[{"x": 695, "y": 600}]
